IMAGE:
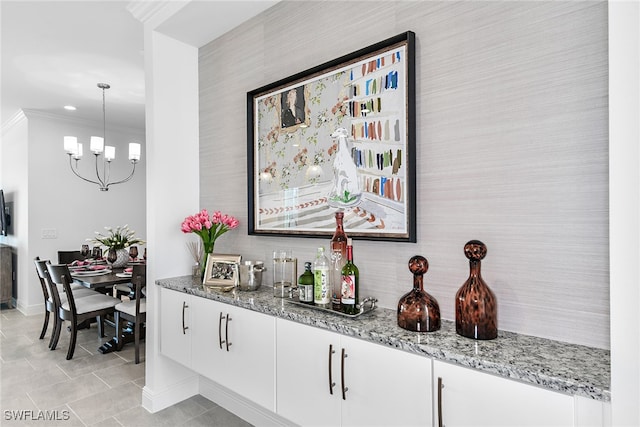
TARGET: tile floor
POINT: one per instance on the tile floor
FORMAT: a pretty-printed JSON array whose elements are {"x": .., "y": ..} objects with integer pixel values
[{"x": 92, "y": 389}]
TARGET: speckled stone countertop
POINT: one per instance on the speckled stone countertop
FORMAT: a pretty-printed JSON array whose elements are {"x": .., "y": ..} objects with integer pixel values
[{"x": 568, "y": 368}]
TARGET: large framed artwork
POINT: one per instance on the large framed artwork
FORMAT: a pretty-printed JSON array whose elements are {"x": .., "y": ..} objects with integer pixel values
[{"x": 339, "y": 136}]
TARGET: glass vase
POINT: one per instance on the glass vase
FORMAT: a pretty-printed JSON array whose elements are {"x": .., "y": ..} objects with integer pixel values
[
  {"x": 207, "y": 250},
  {"x": 476, "y": 304},
  {"x": 417, "y": 310}
]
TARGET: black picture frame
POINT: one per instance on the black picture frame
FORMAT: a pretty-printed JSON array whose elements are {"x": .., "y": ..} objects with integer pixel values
[{"x": 338, "y": 136}]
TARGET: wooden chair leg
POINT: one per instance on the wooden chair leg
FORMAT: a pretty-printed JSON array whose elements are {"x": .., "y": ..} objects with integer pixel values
[
  {"x": 136, "y": 332},
  {"x": 45, "y": 325},
  {"x": 72, "y": 339},
  {"x": 55, "y": 335}
]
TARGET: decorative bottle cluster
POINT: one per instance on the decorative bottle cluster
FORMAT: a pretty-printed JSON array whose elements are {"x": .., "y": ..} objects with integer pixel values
[
  {"x": 333, "y": 283},
  {"x": 334, "y": 280}
]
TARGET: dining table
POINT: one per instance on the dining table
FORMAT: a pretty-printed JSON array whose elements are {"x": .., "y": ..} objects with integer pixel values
[
  {"x": 105, "y": 280},
  {"x": 99, "y": 280}
]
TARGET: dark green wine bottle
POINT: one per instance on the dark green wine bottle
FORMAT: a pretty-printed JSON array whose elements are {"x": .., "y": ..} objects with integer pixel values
[
  {"x": 305, "y": 284},
  {"x": 350, "y": 283}
]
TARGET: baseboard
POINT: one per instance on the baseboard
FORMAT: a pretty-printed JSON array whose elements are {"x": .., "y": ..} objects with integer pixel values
[
  {"x": 154, "y": 401},
  {"x": 240, "y": 406},
  {"x": 31, "y": 310}
]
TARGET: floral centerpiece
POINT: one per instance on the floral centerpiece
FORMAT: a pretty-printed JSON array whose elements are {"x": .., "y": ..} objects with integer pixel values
[
  {"x": 209, "y": 228},
  {"x": 117, "y": 240}
]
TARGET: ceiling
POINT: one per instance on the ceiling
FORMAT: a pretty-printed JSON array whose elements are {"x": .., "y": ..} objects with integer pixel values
[{"x": 54, "y": 53}]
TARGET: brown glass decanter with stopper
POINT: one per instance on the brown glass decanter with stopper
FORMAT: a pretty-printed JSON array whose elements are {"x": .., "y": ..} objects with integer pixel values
[
  {"x": 476, "y": 304},
  {"x": 417, "y": 310}
]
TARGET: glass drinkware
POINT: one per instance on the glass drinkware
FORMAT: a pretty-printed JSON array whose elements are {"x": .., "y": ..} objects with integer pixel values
[
  {"x": 85, "y": 251},
  {"x": 133, "y": 252},
  {"x": 285, "y": 273},
  {"x": 96, "y": 253}
]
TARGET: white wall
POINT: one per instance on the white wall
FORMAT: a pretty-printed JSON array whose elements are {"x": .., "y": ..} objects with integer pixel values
[
  {"x": 512, "y": 148},
  {"x": 14, "y": 182},
  {"x": 171, "y": 79},
  {"x": 624, "y": 181},
  {"x": 50, "y": 197}
]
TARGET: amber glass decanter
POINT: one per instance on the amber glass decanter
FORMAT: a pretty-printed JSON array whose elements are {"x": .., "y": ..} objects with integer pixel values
[
  {"x": 417, "y": 310},
  {"x": 476, "y": 304}
]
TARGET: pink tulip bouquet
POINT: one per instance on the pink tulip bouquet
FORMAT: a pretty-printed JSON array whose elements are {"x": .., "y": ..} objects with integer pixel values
[{"x": 208, "y": 228}]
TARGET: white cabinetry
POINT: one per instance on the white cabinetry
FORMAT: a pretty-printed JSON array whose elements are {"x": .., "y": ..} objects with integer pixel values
[
  {"x": 235, "y": 348},
  {"x": 466, "y": 397},
  {"x": 324, "y": 378},
  {"x": 311, "y": 376},
  {"x": 175, "y": 326}
]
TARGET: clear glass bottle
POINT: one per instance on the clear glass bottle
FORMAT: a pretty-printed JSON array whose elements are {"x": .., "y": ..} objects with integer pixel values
[
  {"x": 305, "y": 284},
  {"x": 350, "y": 284},
  {"x": 338, "y": 260},
  {"x": 322, "y": 280}
]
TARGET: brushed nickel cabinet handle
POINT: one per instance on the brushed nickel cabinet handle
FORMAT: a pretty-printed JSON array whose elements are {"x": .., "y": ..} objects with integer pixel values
[
  {"x": 184, "y": 327},
  {"x": 440, "y": 387},
  {"x": 331, "y": 383},
  {"x": 344, "y": 389},
  {"x": 220, "y": 330},
  {"x": 226, "y": 331}
]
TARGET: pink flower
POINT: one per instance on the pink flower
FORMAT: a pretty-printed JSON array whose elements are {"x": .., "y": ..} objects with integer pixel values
[{"x": 209, "y": 228}]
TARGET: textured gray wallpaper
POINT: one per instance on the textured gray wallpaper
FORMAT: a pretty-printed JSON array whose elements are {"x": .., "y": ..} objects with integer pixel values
[{"x": 512, "y": 148}]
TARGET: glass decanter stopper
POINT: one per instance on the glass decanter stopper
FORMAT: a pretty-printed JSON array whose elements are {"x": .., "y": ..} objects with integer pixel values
[
  {"x": 476, "y": 304},
  {"x": 417, "y": 310}
]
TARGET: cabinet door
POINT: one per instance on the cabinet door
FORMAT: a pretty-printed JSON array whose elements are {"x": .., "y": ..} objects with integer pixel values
[
  {"x": 386, "y": 387},
  {"x": 235, "y": 348},
  {"x": 470, "y": 397},
  {"x": 175, "y": 326},
  {"x": 304, "y": 373}
]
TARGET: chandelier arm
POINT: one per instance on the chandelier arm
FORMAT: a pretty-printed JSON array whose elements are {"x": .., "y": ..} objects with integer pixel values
[
  {"x": 78, "y": 175},
  {"x": 107, "y": 172},
  {"x": 126, "y": 179},
  {"x": 101, "y": 182}
]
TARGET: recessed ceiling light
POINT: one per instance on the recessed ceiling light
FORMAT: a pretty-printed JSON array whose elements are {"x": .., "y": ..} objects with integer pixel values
[{"x": 70, "y": 107}]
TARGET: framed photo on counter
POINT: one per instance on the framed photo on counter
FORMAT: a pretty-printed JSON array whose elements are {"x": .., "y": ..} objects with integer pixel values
[{"x": 222, "y": 271}]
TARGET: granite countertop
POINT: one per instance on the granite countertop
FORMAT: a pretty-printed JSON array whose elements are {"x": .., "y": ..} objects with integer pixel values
[{"x": 568, "y": 368}]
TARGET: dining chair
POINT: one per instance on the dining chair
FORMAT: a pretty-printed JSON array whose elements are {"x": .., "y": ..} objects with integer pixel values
[
  {"x": 67, "y": 257},
  {"x": 134, "y": 310},
  {"x": 49, "y": 304},
  {"x": 77, "y": 310}
]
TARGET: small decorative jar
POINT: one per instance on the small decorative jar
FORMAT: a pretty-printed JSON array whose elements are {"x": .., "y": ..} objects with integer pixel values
[
  {"x": 476, "y": 304},
  {"x": 417, "y": 310}
]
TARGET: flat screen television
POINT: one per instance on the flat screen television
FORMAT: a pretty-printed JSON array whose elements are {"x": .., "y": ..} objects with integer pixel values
[{"x": 5, "y": 218}]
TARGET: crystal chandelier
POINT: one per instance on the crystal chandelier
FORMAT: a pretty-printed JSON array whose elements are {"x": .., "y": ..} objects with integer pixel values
[{"x": 97, "y": 147}]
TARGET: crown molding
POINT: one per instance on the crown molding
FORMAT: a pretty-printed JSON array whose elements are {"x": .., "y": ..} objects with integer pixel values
[
  {"x": 14, "y": 120},
  {"x": 29, "y": 113},
  {"x": 153, "y": 12}
]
